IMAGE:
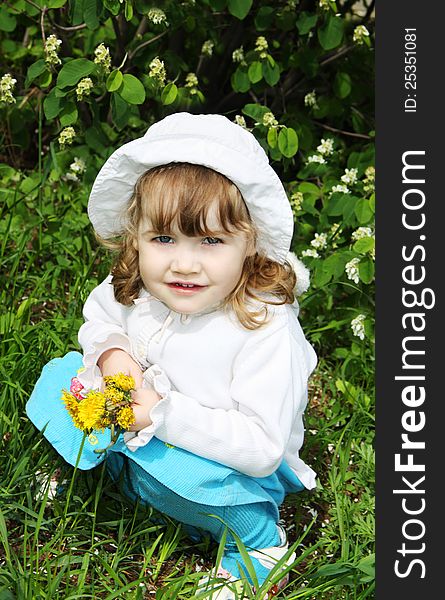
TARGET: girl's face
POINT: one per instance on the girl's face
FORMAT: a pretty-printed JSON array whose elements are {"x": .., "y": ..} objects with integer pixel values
[{"x": 191, "y": 274}]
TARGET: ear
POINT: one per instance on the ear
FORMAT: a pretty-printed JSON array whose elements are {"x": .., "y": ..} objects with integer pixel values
[{"x": 134, "y": 243}]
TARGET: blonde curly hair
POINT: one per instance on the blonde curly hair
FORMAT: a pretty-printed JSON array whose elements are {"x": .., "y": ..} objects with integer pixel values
[{"x": 177, "y": 196}]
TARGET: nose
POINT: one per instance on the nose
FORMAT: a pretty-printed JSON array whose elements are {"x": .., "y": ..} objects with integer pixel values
[{"x": 185, "y": 261}]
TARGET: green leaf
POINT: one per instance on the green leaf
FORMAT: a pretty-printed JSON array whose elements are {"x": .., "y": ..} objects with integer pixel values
[
  {"x": 331, "y": 34},
  {"x": 333, "y": 569},
  {"x": 34, "y": 71},
  {"x": 337, "y": 203},
  {"x": 128, "y": 12},
  {"x": 288, "y": 142},
  {"x": 364, "y": 245},
  {"x": 342, "y": 85},
  {"x": 169, "y": 94},
  {"x": 73, "y": 71},
  {"x": 308, "y": 204},
  {"x": 218, "y": 5},
  {"x": 334, "y": 265},
  {"x": 91, "y": 10},
  {"x": 132, "y": 90},
  {"x": 363, "y": 211},
  {"x": 96, "y": 139},
  {"x": 114, "y": 80},
  {"x": 272, "y": 137},
  {"x": 264, "y": 18},
  {"x": 69, "y": 114},
  {"x": 255, "y": 72},
  {"x": 367, "y": 565},
  {"x": 306, "y": 187},
  {"x": 56, "y": 3},
  {"x": 113, "y": 6},
  {"x": 239, "y": 8},
  {"x": 255, "y": 111},
  {"x": 240, "y": 80},
  {"x": 45, "y": 79},
  {"x": 306, "y": 22},
  {"x": 52, "y": 105},
  {"x": 8, "y": 22},
  {"x": 120, "y": 111},
  {"x": 271, "y": 73},
  {"x": 366, "y": 270},
  {"x": 321, "y": 276}
]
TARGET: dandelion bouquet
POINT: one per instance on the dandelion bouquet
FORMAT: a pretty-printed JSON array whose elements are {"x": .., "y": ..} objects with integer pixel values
[{"x": 96, "y": 411}]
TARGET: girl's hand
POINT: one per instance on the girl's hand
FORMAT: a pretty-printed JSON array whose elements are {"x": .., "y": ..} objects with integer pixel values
[
  {"x": 143, "y": 401},
  {"x": 118, "y": 361}
]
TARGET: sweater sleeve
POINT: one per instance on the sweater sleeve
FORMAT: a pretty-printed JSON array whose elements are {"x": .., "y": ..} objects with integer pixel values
[
  {"x": 268, "y": 393},
  {"x": 103, "y": 329}
]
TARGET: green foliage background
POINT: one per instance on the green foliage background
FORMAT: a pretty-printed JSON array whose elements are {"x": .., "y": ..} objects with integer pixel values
[{"x": 294, "y": 72}]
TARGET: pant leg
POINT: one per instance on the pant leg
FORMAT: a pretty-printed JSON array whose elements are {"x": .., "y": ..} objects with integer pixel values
[{"x": 255, "y": 523}]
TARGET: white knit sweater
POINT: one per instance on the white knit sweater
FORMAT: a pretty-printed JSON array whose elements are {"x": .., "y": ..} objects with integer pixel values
[{"x": 228, "y": 394}]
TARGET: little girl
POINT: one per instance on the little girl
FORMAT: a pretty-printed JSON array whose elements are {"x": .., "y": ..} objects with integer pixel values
[{"x": 200, "y": 309}]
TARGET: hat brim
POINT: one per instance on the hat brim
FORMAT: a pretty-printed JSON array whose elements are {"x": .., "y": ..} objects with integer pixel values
[{"x": 258, "y": 183}]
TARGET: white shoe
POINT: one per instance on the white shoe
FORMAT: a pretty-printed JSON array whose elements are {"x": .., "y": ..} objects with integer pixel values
[{"x": 222, "y": 585}]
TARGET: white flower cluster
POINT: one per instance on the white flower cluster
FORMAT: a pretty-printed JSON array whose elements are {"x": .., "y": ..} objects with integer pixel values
[
  {"x": 66, "y": 137},
  {"x": 296, "y": 200},
  {"x": 369, "y": 181},
  {"x": 270, "y": 121},
  {"x": 157, "y": 16},
  {"x": 157, "y": 70},
  {"x": 311, "y": 100},
  {"x": 240, "y": 120},
  {"x": 84, "y": 88},
  {"x": 7, "y": 84},
  {"x": 351, "y": 269},
  {"x": 76, "y": 168},
  {"x": 342, "y": 189},
  {"x": 191, "y": 82},
  {"x": 362, "y": 232},
  {"x": 320, "y": 241},
  {"x": 311, "y": 252},
  {"x": 326, "y": 147},
  {"x": 102, "y": 57},
  {"x": 52, "y": 50},
  {"x": 261, "y": 46},
  {"x": 238, "y": 55},
  {"x": 316, "y": 158},
  {"x": 357, "y": 326},
  {"x": 324, "y": 4},
  {"x": 207, "y": 48},
  {"x": 349, "y": 177},
  {"x": 360, "y": 34}
]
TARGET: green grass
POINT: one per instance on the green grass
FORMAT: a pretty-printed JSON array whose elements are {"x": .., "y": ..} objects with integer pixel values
[{"x": 89, "y": 541}]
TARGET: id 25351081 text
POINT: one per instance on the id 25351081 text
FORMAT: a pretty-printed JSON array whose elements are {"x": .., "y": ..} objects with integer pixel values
[{"x": 410, "y": 80}]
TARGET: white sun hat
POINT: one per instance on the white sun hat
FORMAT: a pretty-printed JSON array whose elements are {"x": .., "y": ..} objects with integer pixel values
[{"x": 209, "y": 140}]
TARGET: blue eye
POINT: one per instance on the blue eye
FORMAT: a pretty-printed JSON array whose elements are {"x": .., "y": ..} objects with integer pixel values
[
  {"x": 164, "y": 239},
  {"x": 212, "y": 241}
]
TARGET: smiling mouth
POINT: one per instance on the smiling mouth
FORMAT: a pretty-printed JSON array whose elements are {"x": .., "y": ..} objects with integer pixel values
[
  {"x": 185, "y": 285},
  {"x": 185, "y": 288}
]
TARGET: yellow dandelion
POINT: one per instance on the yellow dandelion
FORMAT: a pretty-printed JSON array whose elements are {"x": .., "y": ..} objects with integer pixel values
[
  {"x": 114, "y": 395},
  {"x": 72, "y": 406},
  {"x": 121, "y": 381},
  {"x": 91, "y": 410},
  {"x": 125, "y": 417}
]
